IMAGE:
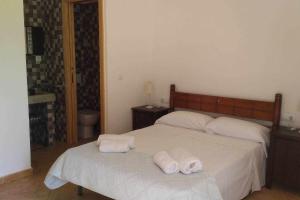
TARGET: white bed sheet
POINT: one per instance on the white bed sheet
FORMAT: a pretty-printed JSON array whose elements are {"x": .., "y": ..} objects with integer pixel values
[{"x": 237, "y": 166}]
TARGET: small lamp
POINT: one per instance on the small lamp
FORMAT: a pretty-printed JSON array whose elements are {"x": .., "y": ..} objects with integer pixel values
[{"x": 148, "y": 90}]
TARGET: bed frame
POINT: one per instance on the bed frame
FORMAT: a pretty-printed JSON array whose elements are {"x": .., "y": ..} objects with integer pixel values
[
  {"x": 252, "y": 109},
  {"x": 258, "y": 110}
]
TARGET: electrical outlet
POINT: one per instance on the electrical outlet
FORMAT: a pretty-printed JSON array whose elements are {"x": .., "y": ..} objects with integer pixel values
[
  {"x": 288, "y": 120},
  {"x": 288, "y": 117},
  {"x": 164, "y": 101}
]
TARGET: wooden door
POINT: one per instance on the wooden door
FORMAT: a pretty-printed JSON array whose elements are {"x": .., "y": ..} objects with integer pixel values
[{"x": 70, "y": 66}]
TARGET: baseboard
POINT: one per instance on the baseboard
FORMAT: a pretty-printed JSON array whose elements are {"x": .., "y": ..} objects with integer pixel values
[{"x": 16, "y": 176}]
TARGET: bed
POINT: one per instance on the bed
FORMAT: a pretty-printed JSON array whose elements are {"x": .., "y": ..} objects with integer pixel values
[{"x": 233, "y": 167}]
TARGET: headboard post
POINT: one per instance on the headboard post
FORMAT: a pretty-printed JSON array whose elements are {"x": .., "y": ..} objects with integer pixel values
[
  {"x": 277, "y": 111},
  {"x": 172, "y": 93}
]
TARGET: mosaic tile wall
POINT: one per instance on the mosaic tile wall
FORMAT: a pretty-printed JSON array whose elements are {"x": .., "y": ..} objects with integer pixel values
[
  {"x": 49, "y": 74},
  {"x": 34, "y": 16},
  {"x": 54, "y": 61},
  {"x": 87, "y": 55},
  {"x": 51, "y": 122}
]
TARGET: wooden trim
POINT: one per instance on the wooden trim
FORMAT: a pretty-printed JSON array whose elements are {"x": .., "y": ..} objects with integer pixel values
[
  {"x": 67, "y": 69},
  {"x": 102, "y": 55},
  {"x": 70, "y": 73},
  {"x": 259, "y": 110},
  {"x": 277, "y": 111},
  {"x": 172, "y": 92},
  {"x": 16, "y": 176},
  {"x": 70, "y": 69}
]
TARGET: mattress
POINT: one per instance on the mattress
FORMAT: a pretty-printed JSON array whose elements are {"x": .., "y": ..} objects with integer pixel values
[{"x": 232, "y": 167}]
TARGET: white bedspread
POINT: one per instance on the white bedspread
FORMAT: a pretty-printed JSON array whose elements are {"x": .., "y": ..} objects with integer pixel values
[{"x": 232, "y": 167}]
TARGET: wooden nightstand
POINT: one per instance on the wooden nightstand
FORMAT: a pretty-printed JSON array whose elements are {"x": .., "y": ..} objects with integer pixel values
[
  {"x": 284, "y": 158},
  {"x": 143, "y": 117}
]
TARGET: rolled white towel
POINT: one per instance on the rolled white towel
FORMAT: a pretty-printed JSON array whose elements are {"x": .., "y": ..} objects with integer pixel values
[
  {"x": 114, "y": 146},
  {"x": 188, "y": 163},
  {"x": 130, "y": 139},
  {"x": 166, "y": 163}
]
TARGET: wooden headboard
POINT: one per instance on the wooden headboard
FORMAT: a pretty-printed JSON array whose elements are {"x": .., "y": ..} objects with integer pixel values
[{"x": 259, "y": 110}]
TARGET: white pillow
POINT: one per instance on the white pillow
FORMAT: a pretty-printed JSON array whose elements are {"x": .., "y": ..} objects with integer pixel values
[
  {"x": 239, "y": 129},
  {"x": 185, "y": 119}
]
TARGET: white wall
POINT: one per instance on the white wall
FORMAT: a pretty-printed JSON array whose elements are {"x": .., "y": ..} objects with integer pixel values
[
  {"x": 14, "y": 123},
  {"x": 248, "y": 49},
  {"x": 129, "y": 34}
]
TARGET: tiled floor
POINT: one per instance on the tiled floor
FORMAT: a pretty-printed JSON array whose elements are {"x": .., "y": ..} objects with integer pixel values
[{"x": 33, "y": 187}]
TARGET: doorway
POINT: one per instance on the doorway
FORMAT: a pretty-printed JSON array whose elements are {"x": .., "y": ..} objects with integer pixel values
[{"x": 83, "y": 36}]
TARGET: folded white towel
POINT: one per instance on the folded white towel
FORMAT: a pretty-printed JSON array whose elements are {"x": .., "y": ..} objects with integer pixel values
[
  {"x": 130, "y": 139},
  {"x": 114, "y": 146},
  {"x": 166, "y": 163},
  {"x": 188, "y": 163}
]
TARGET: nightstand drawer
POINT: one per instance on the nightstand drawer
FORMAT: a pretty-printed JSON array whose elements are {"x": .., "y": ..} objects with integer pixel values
[
  {"x": 281, "y": 147},
  {"x": 287, "y": 162},
  {"x": 142, "y": 120},
  {"x": 143, "y": 116},
  {"x": 293, "y": 168}
]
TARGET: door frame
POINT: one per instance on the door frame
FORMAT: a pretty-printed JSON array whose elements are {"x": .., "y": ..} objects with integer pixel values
[{"x": 70, "y": 69}]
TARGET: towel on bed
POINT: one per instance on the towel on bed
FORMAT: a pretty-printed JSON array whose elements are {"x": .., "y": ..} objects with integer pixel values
[
  {"x": 166, "y": 162},
  {"x": 188, "y": 163},
  {"x": 129, "y": 139},
  {"x": 114, "y": 146}
]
